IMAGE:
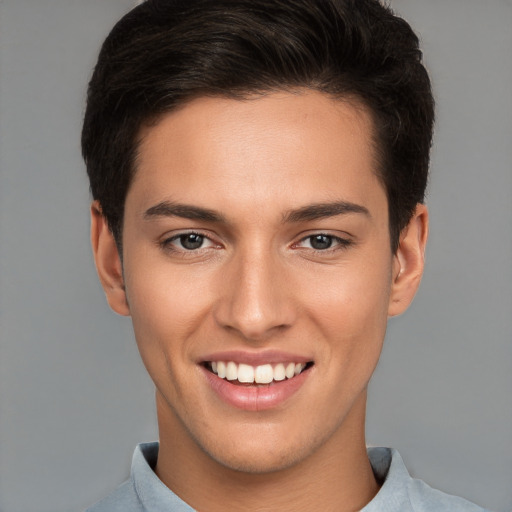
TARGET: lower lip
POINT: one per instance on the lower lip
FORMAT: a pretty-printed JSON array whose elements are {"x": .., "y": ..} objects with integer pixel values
[{"x": 257, "y": 397}]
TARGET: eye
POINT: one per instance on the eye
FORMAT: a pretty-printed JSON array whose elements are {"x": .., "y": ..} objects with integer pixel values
[
  {"x": 323, "y": 242},
  {"x": 320, "y": 242},
  {"x": 188, "y": 242},
  {"x": 191, "y": 241}
]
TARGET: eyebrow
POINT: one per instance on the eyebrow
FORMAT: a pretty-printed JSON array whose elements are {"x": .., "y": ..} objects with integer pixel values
[
  {"x": 324, "y": 210},
  {"x": 171, "y": 209},
  {"x": 306, "y": 213}
]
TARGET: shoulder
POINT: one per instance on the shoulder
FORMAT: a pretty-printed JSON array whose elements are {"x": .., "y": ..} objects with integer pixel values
[
  {"x": 144, "y": 491},
  {"x": 425, "y": 499},
  {"x": 402, "y": 493},
  {"x": 123, "y": 499}
]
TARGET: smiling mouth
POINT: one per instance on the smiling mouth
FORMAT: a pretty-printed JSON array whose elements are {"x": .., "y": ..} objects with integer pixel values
[{"x": 244, "y": 374}]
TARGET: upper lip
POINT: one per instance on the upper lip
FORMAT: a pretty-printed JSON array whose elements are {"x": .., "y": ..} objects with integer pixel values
[{"x": 255, "y": 358}]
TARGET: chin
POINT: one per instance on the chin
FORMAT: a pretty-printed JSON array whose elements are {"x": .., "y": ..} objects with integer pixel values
[
  {"x": 255, "y": 453},
  {"x": 260, "y": 463}
]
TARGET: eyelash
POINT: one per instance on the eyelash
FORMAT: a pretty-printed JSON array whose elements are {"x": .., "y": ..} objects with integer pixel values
[
  {"x": 336, "y": 243},
  {"x": 167, "y": 244},
  {"x": 339, "y": 243}
]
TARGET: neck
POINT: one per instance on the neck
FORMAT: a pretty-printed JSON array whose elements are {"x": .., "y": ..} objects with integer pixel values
[{"x": 336, "y": 477}]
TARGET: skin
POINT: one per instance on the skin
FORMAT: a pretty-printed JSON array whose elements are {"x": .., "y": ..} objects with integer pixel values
[{"x": 257, "y": 283}]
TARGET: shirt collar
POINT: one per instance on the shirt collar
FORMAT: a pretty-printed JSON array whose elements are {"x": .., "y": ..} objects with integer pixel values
[
  {"x": 151, "y": 491},
  {"x": 390, "y": 471},
  {"x": 387, "y": 465}
]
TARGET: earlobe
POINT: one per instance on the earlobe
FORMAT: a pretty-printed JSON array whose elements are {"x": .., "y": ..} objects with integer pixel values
[
  {"x": 408, "y": 262},
  {"x": 107, "y": 260}
]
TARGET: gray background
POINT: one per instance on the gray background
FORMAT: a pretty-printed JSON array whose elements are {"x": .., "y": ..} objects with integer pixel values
[{"x": 75, "y": 398}]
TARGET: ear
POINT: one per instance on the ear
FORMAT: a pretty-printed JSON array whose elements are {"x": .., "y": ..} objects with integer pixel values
[
  {"x": 108, "y": 262},
  {"x": 408, "y": 261}
]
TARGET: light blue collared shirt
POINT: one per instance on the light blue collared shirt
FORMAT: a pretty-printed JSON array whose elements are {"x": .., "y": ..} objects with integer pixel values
[{"x": 145, "y": 492}]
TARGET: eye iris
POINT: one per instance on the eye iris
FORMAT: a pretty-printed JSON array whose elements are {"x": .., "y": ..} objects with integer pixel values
[
  {"x": 191, "y": 241},
  {"x": 321, "y": 242}
]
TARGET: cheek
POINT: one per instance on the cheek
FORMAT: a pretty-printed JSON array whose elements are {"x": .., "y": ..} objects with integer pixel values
[
  {"x": 352, "y": 299},
  {"x": 165, "y": 299},
  {"x": 350, "y": 311},
  {"x": 167, "y": 308}
]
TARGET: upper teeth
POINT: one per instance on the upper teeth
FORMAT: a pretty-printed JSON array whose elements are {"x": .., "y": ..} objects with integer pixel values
[{"x": 262, "y": 374}]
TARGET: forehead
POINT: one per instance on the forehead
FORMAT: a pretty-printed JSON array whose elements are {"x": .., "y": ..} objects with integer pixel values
[{"x": 293, "y": 148}]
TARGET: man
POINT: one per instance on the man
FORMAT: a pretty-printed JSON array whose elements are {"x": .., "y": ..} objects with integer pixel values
[{"x": 258, "y": 171}]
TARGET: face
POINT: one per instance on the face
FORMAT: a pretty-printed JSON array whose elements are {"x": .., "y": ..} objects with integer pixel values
[{"x": 258, "y": 273}]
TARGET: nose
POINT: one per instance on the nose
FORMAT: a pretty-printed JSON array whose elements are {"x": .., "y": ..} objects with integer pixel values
[{"x": 255, "y": 301}]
